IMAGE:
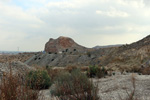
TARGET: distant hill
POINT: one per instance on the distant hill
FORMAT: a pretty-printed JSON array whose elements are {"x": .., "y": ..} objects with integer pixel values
[{"x": 10, "y": 52}]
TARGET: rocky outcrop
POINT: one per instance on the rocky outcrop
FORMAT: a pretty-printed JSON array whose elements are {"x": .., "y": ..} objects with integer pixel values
[{"x": 62, "y": 44}]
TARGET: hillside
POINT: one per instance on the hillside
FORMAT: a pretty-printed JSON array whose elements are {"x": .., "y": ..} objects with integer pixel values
[
  {"x": 128, "y": 57},
  {"x": 107, "y": 46},
  {"x": 125, "y": 57}
]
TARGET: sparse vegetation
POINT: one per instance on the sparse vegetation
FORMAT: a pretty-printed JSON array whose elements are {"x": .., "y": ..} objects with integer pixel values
[
  {"x": 53, "y": 73},
  {"x": 135, "y": 69},
  {"x": 75, "y": 86},
  {"x": 70, "y": 68},
  {"x": 14, "y": 87},
  {"x": 68, "y": 86}
]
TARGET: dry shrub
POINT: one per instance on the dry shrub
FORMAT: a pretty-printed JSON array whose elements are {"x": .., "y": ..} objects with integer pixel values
[
  {"x": 117, "y": 59},
  {"x": 70, "y": 68},
  {"x": 54, "y": 72},
  {"x": 95, "y": 71},
  {"x": 145, "y": 71},
  {"x": 14, "y": 87},
  {"x": 75, "y": 86},
  {"x": 38, "y": 67},
  {"x": 84, "y": 69},
  {"x": 135, "y": 69}
]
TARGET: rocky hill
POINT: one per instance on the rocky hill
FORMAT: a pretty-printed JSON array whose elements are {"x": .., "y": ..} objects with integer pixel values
[
  {"x": 64, "y": 51},
  {"x": 62, "y": 44}
]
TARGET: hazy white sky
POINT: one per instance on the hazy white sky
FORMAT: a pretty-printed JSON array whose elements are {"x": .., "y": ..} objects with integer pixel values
[{"x": 29, "y": 24}]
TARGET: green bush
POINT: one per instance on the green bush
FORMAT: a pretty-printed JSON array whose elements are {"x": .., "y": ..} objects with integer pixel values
[
  {"x": 38, "y": 79},
  {"x": 74, "y": 86},
  {"x": 95, "y": 71}
]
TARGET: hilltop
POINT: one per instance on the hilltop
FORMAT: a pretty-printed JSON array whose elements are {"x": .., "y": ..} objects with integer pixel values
[{"x": 62, "y": 44}]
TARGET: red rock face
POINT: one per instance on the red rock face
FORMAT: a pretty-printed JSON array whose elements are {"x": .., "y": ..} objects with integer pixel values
[
  {"x": 60, "y": 44},
  {"x": 65, "y": 42}
]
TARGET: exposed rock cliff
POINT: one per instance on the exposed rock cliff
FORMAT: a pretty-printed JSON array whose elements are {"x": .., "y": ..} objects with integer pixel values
[{"x": 62, "y": 44}]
